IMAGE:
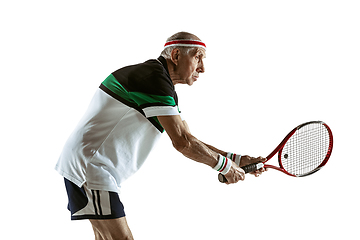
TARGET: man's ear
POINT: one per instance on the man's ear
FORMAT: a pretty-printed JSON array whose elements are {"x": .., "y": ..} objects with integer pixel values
[{"x": 175, "y": 54}]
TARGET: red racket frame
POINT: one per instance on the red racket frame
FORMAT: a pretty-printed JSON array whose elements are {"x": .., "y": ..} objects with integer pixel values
[{"x": 279, "y": 149}]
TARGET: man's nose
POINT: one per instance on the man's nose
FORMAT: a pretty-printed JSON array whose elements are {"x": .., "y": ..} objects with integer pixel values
[{"x": 201, "y": 68}]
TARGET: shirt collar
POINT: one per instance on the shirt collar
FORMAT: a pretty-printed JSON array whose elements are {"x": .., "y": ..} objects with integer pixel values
[{"x": 162, "y": 60}]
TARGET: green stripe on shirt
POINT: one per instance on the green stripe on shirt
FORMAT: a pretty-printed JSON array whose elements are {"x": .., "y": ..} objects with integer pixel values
[{"x": 136, "y": 97}]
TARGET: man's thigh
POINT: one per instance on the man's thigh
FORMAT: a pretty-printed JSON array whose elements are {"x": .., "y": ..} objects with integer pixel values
[{"x": 114, "y": 229}]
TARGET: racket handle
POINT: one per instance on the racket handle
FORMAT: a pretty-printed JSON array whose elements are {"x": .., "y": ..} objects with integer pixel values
[
  {"x": 252, "y": 167},
  {"x": 248, "y": 168}
]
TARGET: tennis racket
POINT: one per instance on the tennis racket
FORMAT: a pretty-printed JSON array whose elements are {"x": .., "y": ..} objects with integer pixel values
[{"x": 304, "y": 151}]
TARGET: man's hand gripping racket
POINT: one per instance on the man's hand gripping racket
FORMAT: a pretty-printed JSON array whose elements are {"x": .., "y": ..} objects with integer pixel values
[{"x": 304, "y": 151}]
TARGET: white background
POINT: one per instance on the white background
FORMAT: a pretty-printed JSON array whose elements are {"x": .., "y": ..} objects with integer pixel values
[{"x": 270, "y": 66}]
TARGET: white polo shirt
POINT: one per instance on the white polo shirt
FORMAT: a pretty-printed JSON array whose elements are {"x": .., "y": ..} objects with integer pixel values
[{"x": 120, "y": 127}]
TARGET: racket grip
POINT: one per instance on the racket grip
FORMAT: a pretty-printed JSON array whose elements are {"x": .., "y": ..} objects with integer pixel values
[
  {"x": 252, "y": 167},
  {"x": 248, "y": 168}
]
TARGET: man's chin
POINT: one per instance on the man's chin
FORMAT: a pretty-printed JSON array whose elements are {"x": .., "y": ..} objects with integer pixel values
[{"x": 190, "y": 82}]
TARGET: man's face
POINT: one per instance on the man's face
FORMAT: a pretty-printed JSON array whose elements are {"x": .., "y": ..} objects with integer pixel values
[{"x": 190, "y": 66}]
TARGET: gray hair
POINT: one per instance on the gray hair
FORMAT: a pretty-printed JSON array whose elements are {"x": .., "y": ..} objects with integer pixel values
[{"x": 166, "y": 53}]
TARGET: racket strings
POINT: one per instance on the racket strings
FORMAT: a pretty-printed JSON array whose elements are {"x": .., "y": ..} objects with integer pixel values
[{"x": 306, "y": 149}]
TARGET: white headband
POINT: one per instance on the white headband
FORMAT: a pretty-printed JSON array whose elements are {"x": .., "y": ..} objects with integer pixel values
[{"x": 185, "y": 43}]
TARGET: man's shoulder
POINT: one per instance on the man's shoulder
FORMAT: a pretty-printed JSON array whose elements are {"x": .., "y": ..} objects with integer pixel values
[
  {"x": 146, "y": 69},
  {"x": 149, "y": 77}
]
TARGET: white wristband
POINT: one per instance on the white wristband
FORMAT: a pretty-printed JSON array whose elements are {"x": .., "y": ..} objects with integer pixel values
[
  {"x": 224, "y": 164},
  {"x": 235, "y": 157}
]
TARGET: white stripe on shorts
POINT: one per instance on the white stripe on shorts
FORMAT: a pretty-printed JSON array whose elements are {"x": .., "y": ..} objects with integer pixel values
[{"x": 98, "y": 203}]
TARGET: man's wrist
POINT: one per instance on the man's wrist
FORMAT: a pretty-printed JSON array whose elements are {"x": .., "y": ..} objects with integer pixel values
[
  {"x": 224, "y": 164},
  {"x": 234, "y": 157}
]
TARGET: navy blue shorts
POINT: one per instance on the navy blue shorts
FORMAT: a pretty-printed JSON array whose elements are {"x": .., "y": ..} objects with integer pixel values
[{"x": 85, "y": 203}]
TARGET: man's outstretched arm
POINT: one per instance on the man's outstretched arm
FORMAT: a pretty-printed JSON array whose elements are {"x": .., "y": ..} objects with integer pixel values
[{"x": 184, "y": 142}]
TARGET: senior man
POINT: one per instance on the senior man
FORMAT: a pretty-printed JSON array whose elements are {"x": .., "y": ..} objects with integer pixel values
[{"x": 128, "y": 113}]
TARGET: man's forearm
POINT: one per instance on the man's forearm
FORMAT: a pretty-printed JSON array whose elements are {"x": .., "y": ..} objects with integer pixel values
[
  {"x": 207, "y": 145},
  {"x": 199, "y": 151},
  {"x": 187, "y": 144},
  {"x": 216, "y": 150}
]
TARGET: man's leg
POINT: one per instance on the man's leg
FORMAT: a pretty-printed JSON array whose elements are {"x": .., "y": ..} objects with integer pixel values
[
  {"x": 97, "y": 234},
  {"x": 111, "y": 229}
]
